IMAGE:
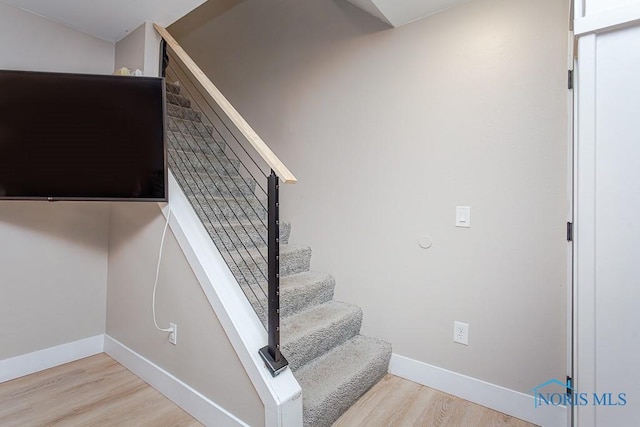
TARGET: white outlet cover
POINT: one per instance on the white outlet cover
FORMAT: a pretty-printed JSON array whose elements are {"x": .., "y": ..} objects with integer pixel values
[{"x": 461, "y": 333}]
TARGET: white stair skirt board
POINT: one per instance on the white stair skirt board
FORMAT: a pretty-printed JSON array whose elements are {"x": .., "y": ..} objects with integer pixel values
[
  {"x": 26, "y": 364},
  {"x": 492, "y": 396},
  {"x": 195, "y": 403},
  {"x": 282, "y": 395}
]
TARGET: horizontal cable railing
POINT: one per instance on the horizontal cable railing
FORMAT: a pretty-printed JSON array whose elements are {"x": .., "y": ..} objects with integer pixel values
[{"x": 231, "y": 178}]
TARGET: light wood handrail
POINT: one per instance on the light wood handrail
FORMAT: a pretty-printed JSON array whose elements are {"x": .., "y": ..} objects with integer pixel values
[{"x": 254, "y": 139}]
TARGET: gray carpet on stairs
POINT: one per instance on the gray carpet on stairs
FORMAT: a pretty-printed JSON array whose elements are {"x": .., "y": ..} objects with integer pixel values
[
  {"x": 334, "y": 381},
  {"x": 320, "y": 336}
]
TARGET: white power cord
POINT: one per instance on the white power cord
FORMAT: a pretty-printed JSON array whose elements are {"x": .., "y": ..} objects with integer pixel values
[{"x": 155, "y": 284}]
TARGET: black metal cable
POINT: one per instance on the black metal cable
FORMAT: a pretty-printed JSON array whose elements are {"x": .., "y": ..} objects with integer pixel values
[
  {"x": 231, "y": 192},
  {"x": 222, "y": 121},
  {"x": 230, "y": 239},
  {"x": 223, "y": 152}
]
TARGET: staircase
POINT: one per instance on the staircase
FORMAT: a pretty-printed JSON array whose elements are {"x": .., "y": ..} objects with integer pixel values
[{"x": 333, "y": 363}]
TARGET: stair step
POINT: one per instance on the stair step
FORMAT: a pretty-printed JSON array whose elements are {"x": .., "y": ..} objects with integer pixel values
[
  {"x": 205, "y": 163},
  {"x": 304, "y": 290},
  {"x": 297, "y": 292},
  {"x": 334, "y": 381},
  {"x": 196, "y": 144},
  {"x": 232, "y": 234},
  {"x": 183, "y": 113},
  {"x": 175, "y": 99},
  {"x": 172, "y": 87},
  {"x": 311, "y": 333},
  {"x": 213, "y": 185},
  {"x": 249, "y": 265},
  {"x": 189, "y": 127},
  {"x": 211, "y": 209}
]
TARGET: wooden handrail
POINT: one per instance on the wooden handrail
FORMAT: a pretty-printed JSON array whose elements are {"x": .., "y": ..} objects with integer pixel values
[{"x": 254, "y": 139}]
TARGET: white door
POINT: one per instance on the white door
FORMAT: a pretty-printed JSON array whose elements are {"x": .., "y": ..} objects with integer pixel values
[{"x": 607, "y": 228}]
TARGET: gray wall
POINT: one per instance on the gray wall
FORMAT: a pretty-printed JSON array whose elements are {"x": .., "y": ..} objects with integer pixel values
[
  {"x": 53, "y": 256},
  {"x": 388, "y": 130},
  {"x": 140, "y": 50},
  {"x": 203, "y": 356},
  {"x": 53, "y": 260},
  {"x": 129, "y": 51}
]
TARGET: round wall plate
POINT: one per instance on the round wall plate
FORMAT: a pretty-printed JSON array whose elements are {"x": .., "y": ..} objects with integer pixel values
[{"x": 425, "y": 242}]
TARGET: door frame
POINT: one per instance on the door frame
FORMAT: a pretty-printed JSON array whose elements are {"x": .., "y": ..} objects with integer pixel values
[{"x": 582, "y": 335}]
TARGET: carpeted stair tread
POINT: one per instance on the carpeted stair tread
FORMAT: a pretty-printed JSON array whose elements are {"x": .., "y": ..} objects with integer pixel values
[
  {"x": 204, "y": 163},
  {"x": 175, "y": 99},
  {"x": 297, "y": 292},
  {"x": 217, "y": 208},
  {"x": 334, "y": 381},
  {"x": 186, "y": 113},
  {"x": 235, "y": 234},
  {"x": 189, "y": 127},
  {"x": 172, "y": 87},
  {"x": 249, "y": 265},
  {"x": 217, "y": 186},
  {"x": 311, "y": 333},
  {"x": 205, "y": 144},
  {"x": 303, "y": 290}
]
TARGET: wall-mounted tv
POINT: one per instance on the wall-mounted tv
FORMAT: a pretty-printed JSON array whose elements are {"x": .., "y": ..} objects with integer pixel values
[{"x": 82, "y": 137}]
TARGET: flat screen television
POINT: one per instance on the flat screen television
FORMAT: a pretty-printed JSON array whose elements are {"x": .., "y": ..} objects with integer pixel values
[{"x": 82, "y": 137}]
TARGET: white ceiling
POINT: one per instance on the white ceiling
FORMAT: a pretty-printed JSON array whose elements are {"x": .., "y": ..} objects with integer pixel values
[
  {"x": 109, "y": 20},
  {"x": 400, "y": 12}
]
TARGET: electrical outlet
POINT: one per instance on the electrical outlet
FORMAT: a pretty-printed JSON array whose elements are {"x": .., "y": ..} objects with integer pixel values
[
  {"x": 173, "y": 334},
  {"x": 461, "y": 333}
]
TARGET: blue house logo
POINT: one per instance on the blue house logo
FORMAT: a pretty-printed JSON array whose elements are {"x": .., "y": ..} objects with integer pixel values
[{"x": 571, "y": 397}]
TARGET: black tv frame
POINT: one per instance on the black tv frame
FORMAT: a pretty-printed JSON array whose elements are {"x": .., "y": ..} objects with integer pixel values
[{"x": 164, "y": 198}]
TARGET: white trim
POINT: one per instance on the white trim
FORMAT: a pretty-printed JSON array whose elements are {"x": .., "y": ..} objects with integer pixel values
[
  {"x": 578, "y": 8},
  {"x": 26, "y": 364},
  {"x": 282, "y": 395},
  {"x": 607, "y": 20},
  {"x": 585, "y": 236},
  {"x": 571, "y": 102},
  {"x": 151, "y": 62},
  {"x": 195, "y": 403},
  {"x": 492, "y": 396}
]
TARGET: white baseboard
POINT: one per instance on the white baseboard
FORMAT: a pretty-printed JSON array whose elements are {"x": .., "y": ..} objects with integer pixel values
[
  {"x": 195, "y": 403},
  {"x": 492, "y": 396},
  {"x": 26, "y": 364}
]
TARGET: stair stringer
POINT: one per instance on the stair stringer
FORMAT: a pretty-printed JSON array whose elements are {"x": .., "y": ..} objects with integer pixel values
[{"x": 282, "y": 395}]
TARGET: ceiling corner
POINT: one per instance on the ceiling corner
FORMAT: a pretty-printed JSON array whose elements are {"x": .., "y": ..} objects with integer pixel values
[{"x": 400, "y": 12}]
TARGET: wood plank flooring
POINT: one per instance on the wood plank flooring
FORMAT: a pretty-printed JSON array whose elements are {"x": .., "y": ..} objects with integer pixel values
[
  {"x": 96, "y": 391},
  {"x": 397, "y": 402}
]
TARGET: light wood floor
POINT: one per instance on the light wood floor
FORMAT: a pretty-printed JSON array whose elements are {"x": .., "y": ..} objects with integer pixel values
[
  {"x": 96, "y": 391},
  {"x": 397, "y": 402}
]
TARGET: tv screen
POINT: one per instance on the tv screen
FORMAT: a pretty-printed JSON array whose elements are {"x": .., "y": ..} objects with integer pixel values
[{"x": 82, "y": 137}]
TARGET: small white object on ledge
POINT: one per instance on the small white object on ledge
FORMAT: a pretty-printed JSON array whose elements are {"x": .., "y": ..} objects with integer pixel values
[{"x": 124, "y": 71}]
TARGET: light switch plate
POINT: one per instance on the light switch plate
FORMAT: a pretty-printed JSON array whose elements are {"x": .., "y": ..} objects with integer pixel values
[{"x": 463, "y": 216}]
